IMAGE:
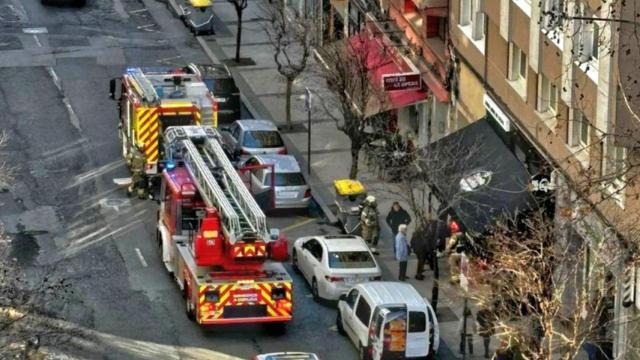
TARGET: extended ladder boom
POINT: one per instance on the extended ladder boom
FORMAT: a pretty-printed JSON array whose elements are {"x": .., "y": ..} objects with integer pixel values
[{"x": 217, "y": 180}]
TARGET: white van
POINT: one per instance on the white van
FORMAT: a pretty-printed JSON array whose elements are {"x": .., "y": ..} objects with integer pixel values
[{"x": 388, "y": 320}]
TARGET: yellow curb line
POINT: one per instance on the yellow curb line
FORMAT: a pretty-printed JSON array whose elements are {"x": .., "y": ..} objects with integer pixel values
[{"x": 298, "y": 224}]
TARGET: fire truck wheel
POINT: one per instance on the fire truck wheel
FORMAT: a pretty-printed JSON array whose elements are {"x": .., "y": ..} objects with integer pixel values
[
  {"x": 190, "y": 309},
  {"x": 314, "y": 290}
]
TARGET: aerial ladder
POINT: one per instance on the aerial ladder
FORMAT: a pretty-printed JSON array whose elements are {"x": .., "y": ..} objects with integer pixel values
[{"x": 215, "y": 238}]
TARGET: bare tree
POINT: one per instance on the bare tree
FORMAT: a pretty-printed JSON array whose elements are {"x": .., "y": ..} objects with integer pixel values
[
  {"x": 291, "y": 35},
  {"x": 239, "y": 6},
  {"x": 541, "y": 300},
  {"x": 26, "y": 322},
  {"x": 347, "y": 67}
]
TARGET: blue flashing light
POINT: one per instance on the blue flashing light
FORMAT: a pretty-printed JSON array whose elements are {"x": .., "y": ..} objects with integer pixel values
[{"x": 170, "y": 165}]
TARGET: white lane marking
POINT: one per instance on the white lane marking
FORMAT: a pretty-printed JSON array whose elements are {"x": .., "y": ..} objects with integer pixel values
[
  {"x": 35, "y": 30},
  {"x": 54, "y": 76},
  {"x": 75, "y": 121},
  {"x": 142, "y": 260},
  {"x": 73, "y": 117},
  {"x": 37, "y": 40},
  {"x": 138, "y": 11}
]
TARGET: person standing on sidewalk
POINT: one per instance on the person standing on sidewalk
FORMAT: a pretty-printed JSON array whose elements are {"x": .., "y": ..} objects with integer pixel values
[
  {"x": 402, "y": 251},
  {"x": 485, "y": 328},
  {"x": 369, "y": 222},
  {"x": 396, "y": 217},
  {"x": 420, "y": 246}
]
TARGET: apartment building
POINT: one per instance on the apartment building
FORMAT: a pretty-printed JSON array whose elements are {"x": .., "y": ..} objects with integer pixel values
[{"x": 559, "y": 89}]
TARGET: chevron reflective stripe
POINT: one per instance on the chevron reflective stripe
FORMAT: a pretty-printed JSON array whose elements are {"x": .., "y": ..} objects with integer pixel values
[
  {"x": 197, "y": 117},
  {"x": 250, "y": 250},
  {"x": 148, "y": 125}
]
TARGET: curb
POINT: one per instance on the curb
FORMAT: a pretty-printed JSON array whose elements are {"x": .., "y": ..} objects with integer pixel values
[{"x": 320, "y": 195}]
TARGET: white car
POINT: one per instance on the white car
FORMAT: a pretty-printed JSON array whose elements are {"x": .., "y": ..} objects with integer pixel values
[
  {"x": 332, "y": 264},
  {"x": 388, "y": 320}
]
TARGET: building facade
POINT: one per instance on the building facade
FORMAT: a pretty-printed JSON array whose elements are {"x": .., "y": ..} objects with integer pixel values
[{"x": 557, "y": 76}]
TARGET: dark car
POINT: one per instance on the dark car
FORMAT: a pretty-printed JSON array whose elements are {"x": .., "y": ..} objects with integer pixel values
[
  {"x": 77, "y": 3},
  {"x": 219, "y": 81}
]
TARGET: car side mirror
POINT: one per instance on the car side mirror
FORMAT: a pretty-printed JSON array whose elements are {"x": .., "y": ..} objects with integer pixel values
[{"x": 343, "y": 297}]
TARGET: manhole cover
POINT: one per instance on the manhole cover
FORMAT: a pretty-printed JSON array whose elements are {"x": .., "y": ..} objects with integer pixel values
[{"x": 113, "y": 203}]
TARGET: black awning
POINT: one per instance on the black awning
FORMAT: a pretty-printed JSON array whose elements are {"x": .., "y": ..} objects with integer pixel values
[{"x": 477, "y": 177}]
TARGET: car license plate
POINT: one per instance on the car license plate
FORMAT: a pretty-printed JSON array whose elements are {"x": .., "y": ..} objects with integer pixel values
[
  {"x": 352, "y": 280},
  {"x": 287, "y": 194}
]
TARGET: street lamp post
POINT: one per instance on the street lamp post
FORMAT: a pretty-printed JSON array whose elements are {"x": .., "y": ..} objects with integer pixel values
[{"x": 307, "y": 107}]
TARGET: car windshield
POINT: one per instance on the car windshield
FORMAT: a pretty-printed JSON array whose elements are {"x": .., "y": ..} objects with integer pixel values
[
  {"x": 350, "y": 260},
  {"x": 286, "y": 179},
  {"x": 262, "y": 139}
]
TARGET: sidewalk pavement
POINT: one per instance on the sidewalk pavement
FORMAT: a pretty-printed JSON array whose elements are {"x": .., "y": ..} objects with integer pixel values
[{"x": 263, "y": 92}]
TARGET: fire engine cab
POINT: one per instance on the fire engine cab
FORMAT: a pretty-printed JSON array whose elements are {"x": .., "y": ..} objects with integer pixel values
[{"x": 214, "y": 236}]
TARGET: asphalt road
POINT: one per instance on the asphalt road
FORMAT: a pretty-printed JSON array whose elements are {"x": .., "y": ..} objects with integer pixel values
[{"x": 62, "y": 208}]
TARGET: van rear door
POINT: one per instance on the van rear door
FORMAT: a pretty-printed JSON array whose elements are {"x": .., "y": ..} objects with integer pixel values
[
  {"x": 417, "y": 334},
  {"x": 388, "y": 333}
]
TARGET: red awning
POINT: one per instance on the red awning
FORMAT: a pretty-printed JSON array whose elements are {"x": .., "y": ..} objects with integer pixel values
[{"x": 383, "y": 60}]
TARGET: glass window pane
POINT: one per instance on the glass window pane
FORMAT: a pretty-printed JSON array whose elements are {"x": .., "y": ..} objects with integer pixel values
[{"x": 584, "y": 130}]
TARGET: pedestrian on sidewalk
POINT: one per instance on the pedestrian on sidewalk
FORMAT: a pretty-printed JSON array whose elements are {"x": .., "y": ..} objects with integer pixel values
[
  {"x": 369, "y": 222},
  {"x": 420, "y": 246},
  {"x": 402, "y": 251},
  {"x": 466, "y": 335},
  {"x": 485, "y": 327},
  {"x": 396, "y": 217}
]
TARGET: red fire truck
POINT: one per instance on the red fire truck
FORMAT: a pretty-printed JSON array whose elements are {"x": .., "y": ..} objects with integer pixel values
[{"x": 214, "y": 236}]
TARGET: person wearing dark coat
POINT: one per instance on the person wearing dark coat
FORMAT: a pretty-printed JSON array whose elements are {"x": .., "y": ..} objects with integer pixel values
[
  {"x": 425, "y": 241},
  {"x": 396, "y": 217}
]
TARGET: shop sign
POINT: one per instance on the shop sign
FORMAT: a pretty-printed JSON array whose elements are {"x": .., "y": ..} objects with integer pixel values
[
  {"x": 405, "y": 81},
  {"x": 501, "y": 118}
]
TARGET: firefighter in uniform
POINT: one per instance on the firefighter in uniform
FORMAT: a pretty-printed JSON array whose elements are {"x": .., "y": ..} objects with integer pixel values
[{"x": 369, "y": 222}]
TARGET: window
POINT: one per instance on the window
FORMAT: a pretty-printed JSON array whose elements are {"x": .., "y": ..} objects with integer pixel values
[
  {"x": 472, "y": 18},
  {"x": 314, "y": 247},
  {"x": 363, "y": 311},
  {"x": 262, "y": 139},
  {"x": 417, "y": 322},
  {"x": 351, "y": 260},
  {"x": 286, "y": 179},
  {"x": 518, "y": 69},
  {"x": 547, "y": 95},
  {"x": 352, "y": 297},
  {"x": 579, "y": 129},
  {"x": 552, "y": 14},
  {"x": 614, "y": 159},
  {"x": 586, "y": 46}
]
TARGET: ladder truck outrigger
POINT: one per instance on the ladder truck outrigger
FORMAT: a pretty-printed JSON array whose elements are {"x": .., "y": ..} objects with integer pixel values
[
  {"x": 214, "y": 236},
  {"x": 150, "y": 99}
]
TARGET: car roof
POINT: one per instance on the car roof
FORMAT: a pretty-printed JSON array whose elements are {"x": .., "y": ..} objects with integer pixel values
[
  {"x": 257, "y": 125},
  {"x": 343, "y": 243},
  {"x": 389, "y": 292},
  {"x": 282, "y": 163}
]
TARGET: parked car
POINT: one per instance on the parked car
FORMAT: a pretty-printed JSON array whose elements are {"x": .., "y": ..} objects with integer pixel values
[
  {"x": 332, "y": 264},
  {"x": 197, "y": 15},
  {"x": 78, "y": 3},
  {"x": 290, "y": 188},
  {"x": 219, "y": 81},
  {"x": 390, "y": 319},
  {"x": 251, "y": 137},
  {"x": 287, "y": 356}
]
